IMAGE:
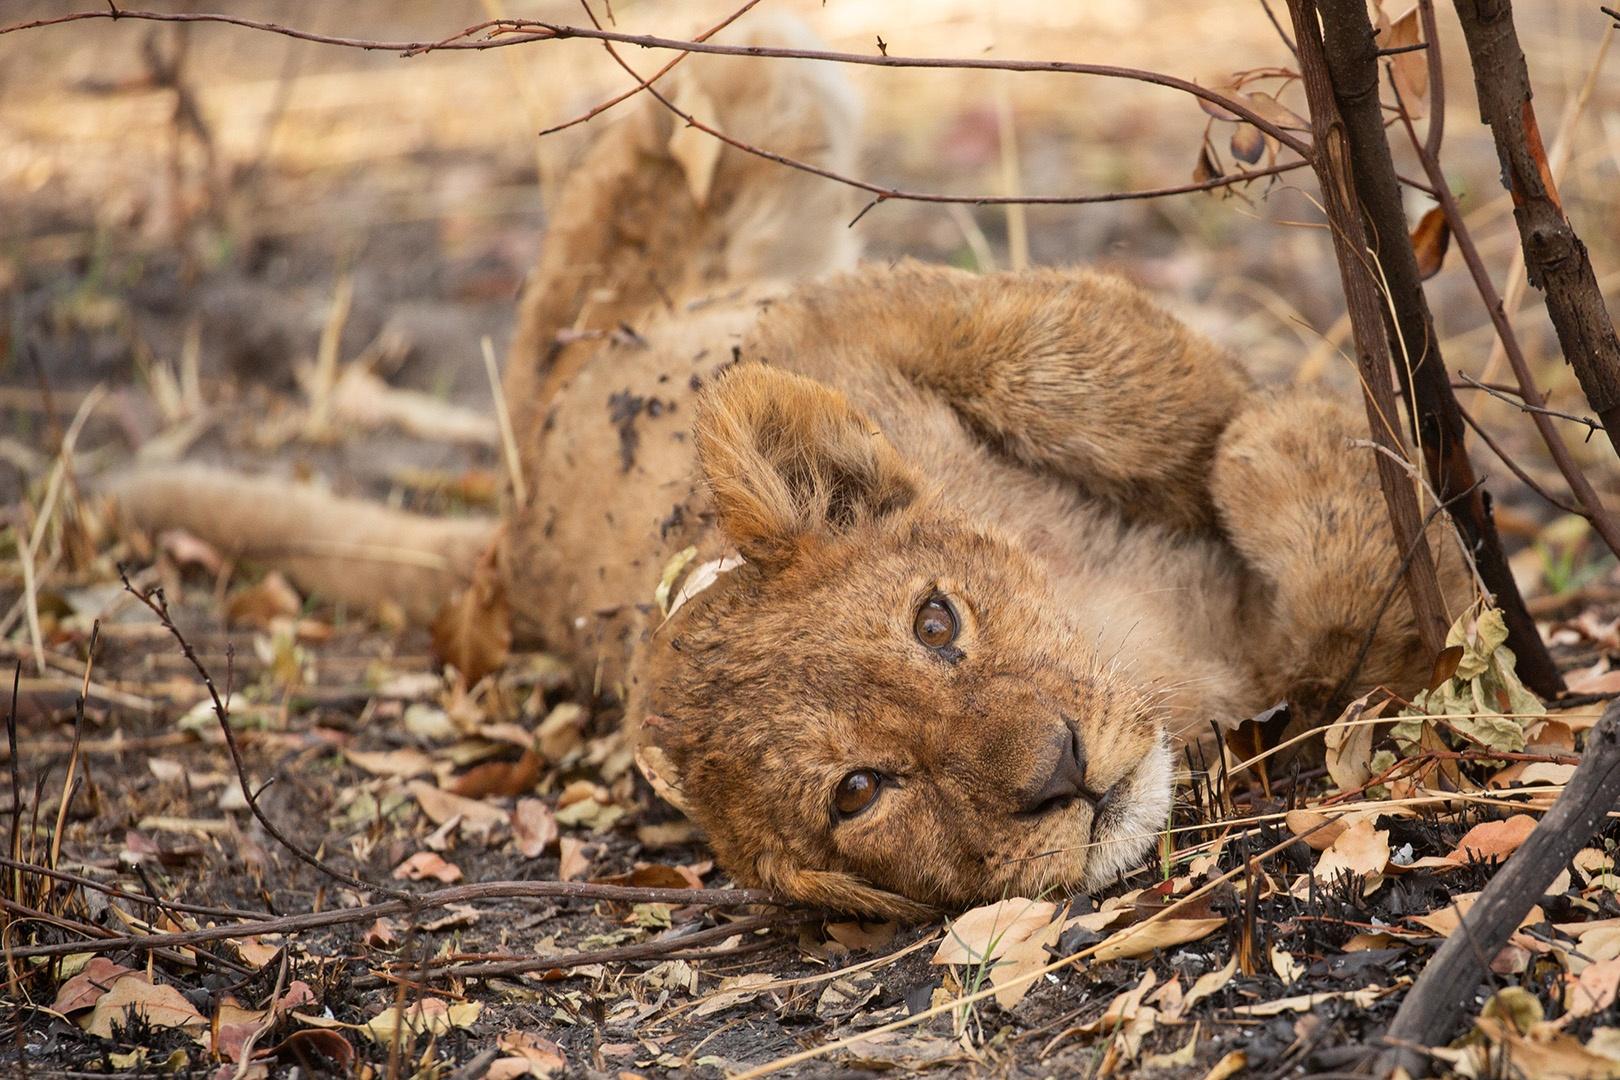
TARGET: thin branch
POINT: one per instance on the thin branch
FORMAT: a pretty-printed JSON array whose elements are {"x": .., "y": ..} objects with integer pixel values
[
  {"x": 1592, "y": 426},
  {"x": 1525, "y": 478},
  {"x": 456, "y": 894},
  {"x": 642, "y": 84},
  {"x": 525, "y": 31},
  {"x": 155, "y": 602}
]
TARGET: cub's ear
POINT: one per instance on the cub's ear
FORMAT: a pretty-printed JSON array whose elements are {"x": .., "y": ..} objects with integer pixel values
[{"x": 787, "y": 458}]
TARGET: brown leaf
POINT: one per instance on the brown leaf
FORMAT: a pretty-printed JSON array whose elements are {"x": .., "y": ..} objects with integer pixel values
[
  {"x": 132, "y": 995},
  {"x": 1430, "y": 240},
  {"x": 473, "y": 631},
  {"x": 1361, "y": 850},
  {"x": 1269, "y": 108},
  {"x": 1349, "y": 741},
  {"x": 1595, "y": 989},
  {"x": 325, "y": 1042},
  {"x": 427, "y": 864},
  {"x": 382, "y": 934},
  {"x": 572, "y": 863},
  {"x": 1207, "y": 169},
  {"x": 1445, "y": 665},
  {"x": 654, "y": 876},
  {"x": 1248, "y": 143},
  {"x": 1219, "y": 112},
  {"x": 1411, "y": 69},
  {"x": 499, "y": 777},
  {"x": 1142, "y": 938},
  {"x": 528, "y": 1055},
  {"x": 259, "y": 605},
  {"x": 88, "y": 986},
  {"x": 534, "y": 827},
  {"x": 186, "y": 550},
  {"x": 1491, "y": 840}
]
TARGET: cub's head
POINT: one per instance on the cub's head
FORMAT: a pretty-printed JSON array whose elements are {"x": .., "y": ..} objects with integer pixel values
[{"x": 881, "y": 710}]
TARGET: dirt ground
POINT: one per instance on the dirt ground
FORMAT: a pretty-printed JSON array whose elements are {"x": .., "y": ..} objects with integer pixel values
[{"x": 206, "y": 231}]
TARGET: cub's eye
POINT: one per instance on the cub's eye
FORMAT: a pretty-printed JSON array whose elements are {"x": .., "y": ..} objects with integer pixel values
[
  {"x": 856, "y": 792},
  {"x": 936, "y": 625}
]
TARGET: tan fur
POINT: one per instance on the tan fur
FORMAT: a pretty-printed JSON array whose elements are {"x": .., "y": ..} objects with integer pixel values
[{"x": 1137, "y": 543}]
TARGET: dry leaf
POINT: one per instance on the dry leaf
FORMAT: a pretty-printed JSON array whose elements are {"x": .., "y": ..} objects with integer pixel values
[
  {"x": 1350, "y": 739},
  {"x": 132, "y": 995},
  {"x": 1207, "y": 169},
  {"x": 527, "y": 1055},
  {"x": 1230, "y": 1065},
  {"x": 473, "y": 631},
  {"x": 426, "y": 864},
  {"x": 1012, "y": 935},
  {"x": 1446, "y": 920},
  {"x": 734, "y": 990},
  {"x": 1411, "y": 69},
  {"x": 534, "y": 827},
  {"x": 1595, "y": 989},
  {"x": 1430, "y": 240},
  {"x": 400, "y": 764},
  {"x": 260, "y": 605},
  {"x": 572, "y": 863},
  {"x": 1362, "y": 998},
  {"x": 428, "y": 1015},
  {"x": 499, "y": 778},
  {"x": 87, "y": 987},
  {"x": 440, "y": 806},
  {"x": 1287, "y": 968},
  {"x": 1361, "y": 850},
  {"x": 1317, "y": 830},
  {"x": 1142, "y": 938},
  {"x": 1248, "y": 143}
]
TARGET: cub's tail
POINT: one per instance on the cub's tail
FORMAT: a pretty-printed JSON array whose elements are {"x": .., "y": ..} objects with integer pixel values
[
  {"x": 659, "y": 212},
  {"x": 345, "y": 550}
]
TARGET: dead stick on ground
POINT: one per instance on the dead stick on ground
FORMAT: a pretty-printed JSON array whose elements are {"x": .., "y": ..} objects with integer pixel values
[
  {"x": 1447, "y": 986},
  {"x": 155, "y": 602},
  {"x": 1335, "y": 169},
  {"x": 1554, "y": 256},
  {"x": 456, "y": 894},
  {"x": 1351, "y": 52}
]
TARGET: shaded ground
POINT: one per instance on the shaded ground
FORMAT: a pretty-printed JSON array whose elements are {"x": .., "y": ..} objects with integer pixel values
[{"x": 341, "y": 206}]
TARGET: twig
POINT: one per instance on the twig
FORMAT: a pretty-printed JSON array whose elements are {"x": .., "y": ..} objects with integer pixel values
[
  {"x": 1335, "y": 171},
  {"x": 1525, "y": 478},
  {"x": 1447, "y": 986},
  {"x": 455, "y": 894},
  {"x": 1350, "y": 50},
  {"x": 84, "y": 882},
  {"x": 1555, "y": 257},
  {"x": 1603, "y": 522},
  {"x": 642, "y": 84},
  {"x": 525, "y": 31},
  {"x": 156, "y": 603},
  {"x": 1591, "y": 425},
  {"x": 668, "y": 948},
  {"x": 503, "y": 422}
]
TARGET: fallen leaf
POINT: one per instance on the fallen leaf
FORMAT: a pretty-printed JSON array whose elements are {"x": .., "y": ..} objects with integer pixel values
[
  {"x": 1287, "y": 968},
  {"x": 1446, "y": 919},
  {"x": 440, "y": 806},
  {"x": 1362, "y": 998},
  {"x": 1361, "y": 850},
  {"x": 572, "y": 863},
  {"x": 426, "y": 864},
  {"x": 430, "y": 1015},
  {"x": 87, "y": 987},
  {"x": 1595, "y": 989},
  {"x": 1012, "y": 936},
  {"x": 1317, "y": 830},
  {"x": 528, "y": 1055},
  {"x": 505, "y": 778},
  {"x": 1349, "y": 741},
  {"x": 1142, "y": 938},
  {"x": 260, "y": 605},
  {"x": 400, "y": 764},
  {"x": 132, "y": 995},
  {"x": 861, "y": 935},
  {"x": 734, "y": 990},
  {"x": 1230, "y": 1065},
  {"x": 382, "y": 934},
  {"x": 534, "y": 827}
]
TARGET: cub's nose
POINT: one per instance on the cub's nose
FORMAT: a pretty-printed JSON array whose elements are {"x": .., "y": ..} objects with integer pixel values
[{"x": 1065, "y": 782}]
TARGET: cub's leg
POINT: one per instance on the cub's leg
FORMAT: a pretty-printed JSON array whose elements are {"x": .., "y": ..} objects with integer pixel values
[
  {"x": 1069, "y": 372},
  {"x": 1302, "y": 505}
]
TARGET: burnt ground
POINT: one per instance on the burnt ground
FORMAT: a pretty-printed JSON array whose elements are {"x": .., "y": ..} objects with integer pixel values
[{"x": 192, "y": 274}]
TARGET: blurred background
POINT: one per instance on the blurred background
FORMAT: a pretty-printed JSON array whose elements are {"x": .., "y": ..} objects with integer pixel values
[{"x": 253, "y": 250}]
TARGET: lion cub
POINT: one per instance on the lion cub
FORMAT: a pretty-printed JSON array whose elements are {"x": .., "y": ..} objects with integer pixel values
[{"x": 909, "y": 579}]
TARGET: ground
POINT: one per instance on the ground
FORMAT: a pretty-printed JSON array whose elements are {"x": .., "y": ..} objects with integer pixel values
[{"x": 201, "y": 230}]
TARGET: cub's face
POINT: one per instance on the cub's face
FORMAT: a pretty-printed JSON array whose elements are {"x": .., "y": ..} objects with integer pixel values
[{"x": 881, "y": 710}]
